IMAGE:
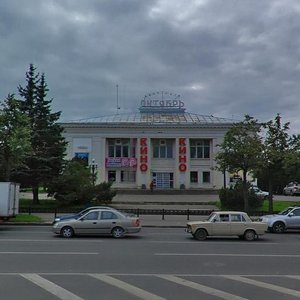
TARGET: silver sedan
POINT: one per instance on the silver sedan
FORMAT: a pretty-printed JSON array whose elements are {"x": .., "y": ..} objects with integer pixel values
[{"x": 98, "y": 222}]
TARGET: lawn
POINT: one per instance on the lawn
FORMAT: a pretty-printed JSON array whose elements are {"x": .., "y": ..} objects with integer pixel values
[{"x": 25, "y": 218}]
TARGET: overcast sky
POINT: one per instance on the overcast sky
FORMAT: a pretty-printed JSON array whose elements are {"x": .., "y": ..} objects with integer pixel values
[{"x": 224, "y": 58}]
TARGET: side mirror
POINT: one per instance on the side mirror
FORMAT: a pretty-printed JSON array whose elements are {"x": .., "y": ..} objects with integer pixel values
[{"x": 291, "y": 214}]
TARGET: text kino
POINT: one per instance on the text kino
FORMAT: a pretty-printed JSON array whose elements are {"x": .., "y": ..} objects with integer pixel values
[
  {"x": 182, "y": 155},
  {"x": 143, "y": 155}
]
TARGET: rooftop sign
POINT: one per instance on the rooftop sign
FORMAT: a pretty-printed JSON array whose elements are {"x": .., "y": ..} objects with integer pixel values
[{"x": 162, "y": 102}]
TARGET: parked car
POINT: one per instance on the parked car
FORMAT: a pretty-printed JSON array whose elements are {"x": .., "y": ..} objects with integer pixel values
[
  {"x": 98, "y": 221},
  {"x": 227, "y": 223},
  {"x": 293, "y": 188},
  {"x": 79, "y": 214},
  {"x": 287, "y": 219},
  {"x": 257, "y": 191}
]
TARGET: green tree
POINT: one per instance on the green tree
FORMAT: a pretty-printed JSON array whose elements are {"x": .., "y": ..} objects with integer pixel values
[
  {"x": 280, "y": 154},
  {"x": 240, "y": 151},
  {"x": 14, "y": 137},
  {"x": 74, "y": 185},
  {"x": 46, "y": 159}
]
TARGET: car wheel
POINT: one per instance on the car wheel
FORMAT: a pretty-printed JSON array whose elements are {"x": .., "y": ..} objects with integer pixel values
[
  {"x": 118, "y": 232},
  {"x": 249, "y": 235},
  {"x": 200, "y": 234},
  {"x": 278, "y": 227},
  {"x": 67, "y": 232}
]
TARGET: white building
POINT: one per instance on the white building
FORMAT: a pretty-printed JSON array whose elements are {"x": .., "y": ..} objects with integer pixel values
[{"x": 162, "y": 143}]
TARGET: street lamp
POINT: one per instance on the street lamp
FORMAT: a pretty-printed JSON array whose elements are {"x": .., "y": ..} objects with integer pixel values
[{"x": 93, "y": 167}]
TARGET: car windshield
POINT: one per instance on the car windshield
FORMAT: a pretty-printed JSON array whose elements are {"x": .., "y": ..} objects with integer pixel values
[
  {"x": 285, "y": 211},
  {"x": 212, "y": 217}
]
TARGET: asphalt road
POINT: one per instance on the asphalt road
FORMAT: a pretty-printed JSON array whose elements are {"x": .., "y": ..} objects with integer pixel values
[{"x": 158, "y": 263}]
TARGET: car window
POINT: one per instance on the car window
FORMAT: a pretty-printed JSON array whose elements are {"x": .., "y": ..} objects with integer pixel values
[
  {"x": 236, "y": 218},
  {"x": 213, "y": 218},
  {"x": 286, "y": 211},
  {"x": 224, "y": 217},
  {"x": 108, "y": 215},
  {"x": 296, "y": 212},
  {"x": 94, "y": 215}
]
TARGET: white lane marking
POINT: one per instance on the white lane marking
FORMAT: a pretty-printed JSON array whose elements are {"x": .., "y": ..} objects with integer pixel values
[
  {"x": 49, "y": 253},
  {"x": 228, "y": 254},
  {"x": 294, "y": 276},
  {"x": 51, "y": 287},
  {"x": 127, "y": 287},
  {"x": 56, "y": 240},
  {"x": 201, "y": 288},
  {"x": 264, "y": 285},
  {"x": 223, "y": 243}
]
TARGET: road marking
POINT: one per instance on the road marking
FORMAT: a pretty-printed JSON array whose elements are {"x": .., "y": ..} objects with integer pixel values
[
  {"x": 228, "y": 254},
  {"x": 294, "y": 276},
  {"x": 217, "y": 243},
  {"x": 201, "y": 288},
  {"x": 265, "y": 285},
  {"x": 50, "y": 253},
  {"x": 51, "y": 287},
  {"x": 127, "y": 287}
]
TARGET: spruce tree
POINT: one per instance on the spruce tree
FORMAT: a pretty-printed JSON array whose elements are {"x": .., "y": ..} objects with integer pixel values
[{"x": 48, "y": 145}]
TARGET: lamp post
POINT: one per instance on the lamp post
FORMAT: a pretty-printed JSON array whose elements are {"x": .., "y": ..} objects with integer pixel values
[{"x": 93, "y": 167}]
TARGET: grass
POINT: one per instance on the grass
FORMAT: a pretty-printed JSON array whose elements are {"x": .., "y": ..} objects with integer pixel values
[
  {"x": 279, "y": 205},
  {"x": 25, "y": 218}
]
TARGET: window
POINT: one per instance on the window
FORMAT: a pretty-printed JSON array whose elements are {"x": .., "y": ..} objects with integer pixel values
[
  {"x": 128, "y": 176},
  {"x": 206, "y": 177},
  {"x": 84, "y": 156},
  {"x": 200, "y": 149},
  {"x": 194, "y": 177},
  {"x": 92, "y": 216},
  {"x": 111, "y": 176},
  {"x": 118, "y": 148},
  {"x": 236, "y": 218},
  {"x": 108, "y": 215},
  {"x": 224, "y": 218},
  {"x": 162, "y": 149}
]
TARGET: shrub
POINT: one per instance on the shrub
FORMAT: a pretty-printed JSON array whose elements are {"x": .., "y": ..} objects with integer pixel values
[
  {"x": 233, "y": 199},
  {"x": 103, "y": 193}
]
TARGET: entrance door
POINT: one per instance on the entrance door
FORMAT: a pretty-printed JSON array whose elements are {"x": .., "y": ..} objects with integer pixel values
[{"x": 164, "y": 180}]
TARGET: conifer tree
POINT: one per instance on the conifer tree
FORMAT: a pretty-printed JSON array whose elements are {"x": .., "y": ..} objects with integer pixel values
[{"x": 48, "y": 145}]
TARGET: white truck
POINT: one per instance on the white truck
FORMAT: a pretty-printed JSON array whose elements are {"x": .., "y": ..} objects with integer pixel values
[{"x": 9, "y": 200}]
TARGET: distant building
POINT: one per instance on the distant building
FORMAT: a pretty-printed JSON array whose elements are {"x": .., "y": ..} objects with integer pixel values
[{"x": 161, "y": 143}]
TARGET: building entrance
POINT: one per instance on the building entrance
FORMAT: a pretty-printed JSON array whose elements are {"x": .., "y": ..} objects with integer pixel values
[{"x": 163, "y": 180}]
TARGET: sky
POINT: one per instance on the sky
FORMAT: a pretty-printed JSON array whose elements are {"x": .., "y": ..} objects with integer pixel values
[{"x": 224, "y": 58}]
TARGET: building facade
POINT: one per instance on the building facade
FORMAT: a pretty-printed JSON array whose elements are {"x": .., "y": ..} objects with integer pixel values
[{"x": 162, "y": 146}]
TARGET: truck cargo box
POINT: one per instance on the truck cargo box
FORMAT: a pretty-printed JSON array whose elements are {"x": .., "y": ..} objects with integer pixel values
[{"x": 9, "y": 199}]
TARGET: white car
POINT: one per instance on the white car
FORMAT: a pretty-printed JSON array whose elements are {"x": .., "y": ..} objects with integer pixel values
[
  {"x": 287, "y": 219},
  {"x": 261, "y": 194},
  {"x": 293, "y": 188},
  {"x": 227, "y": 223}
]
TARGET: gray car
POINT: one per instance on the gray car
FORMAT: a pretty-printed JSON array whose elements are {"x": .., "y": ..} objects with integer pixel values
[
  {"x": 287, "y": 219},
  {"x": 98, "y": 222}
]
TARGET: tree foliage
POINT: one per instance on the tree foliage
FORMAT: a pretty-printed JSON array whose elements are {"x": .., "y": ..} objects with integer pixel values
[
  {"x": 241, "y": 151},
  {"x": 45, "y": 161},
  {"x": 75, "y": 186},
  {"x": 14, "y": 137},
  {"x": 280, "y": 155}
]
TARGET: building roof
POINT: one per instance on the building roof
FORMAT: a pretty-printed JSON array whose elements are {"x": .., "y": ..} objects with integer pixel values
[{"x": 152, "y": 118}]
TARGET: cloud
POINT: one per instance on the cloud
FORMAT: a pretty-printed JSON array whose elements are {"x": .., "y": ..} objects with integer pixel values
[{"x": 225, "y": 58}]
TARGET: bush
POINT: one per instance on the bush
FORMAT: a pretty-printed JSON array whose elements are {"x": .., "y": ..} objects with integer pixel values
[
  {"x": 103, "y": 193},
  {"x": 233, "y": 199}
]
